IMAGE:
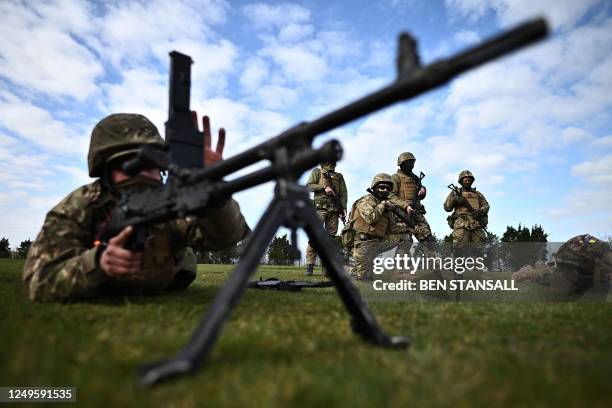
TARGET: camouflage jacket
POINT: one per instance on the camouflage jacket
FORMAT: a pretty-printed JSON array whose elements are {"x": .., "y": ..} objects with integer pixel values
[
  {"x": 370, "y": 216},
  {"x": 467, "y": 219},
  {"x": 62, "y": 264},
  {"x": 316, "y": 184}
]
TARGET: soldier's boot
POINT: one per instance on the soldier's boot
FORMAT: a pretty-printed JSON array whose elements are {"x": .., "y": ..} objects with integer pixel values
[{"x": 309, "y": 270}]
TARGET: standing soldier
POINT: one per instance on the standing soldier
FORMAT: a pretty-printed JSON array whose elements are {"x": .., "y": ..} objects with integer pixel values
[
  {"x": 407, "y": 194},
  {"x": 469, "y": 218},
  {"x": 372, "y": 222},
  {"x": 330, "y": 196}
]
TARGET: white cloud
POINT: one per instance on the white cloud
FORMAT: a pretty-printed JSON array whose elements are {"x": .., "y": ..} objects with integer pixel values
[
  {"x": 297, "y": 62},
  {"x": 465, "y": 37},
  {"x": 596, "y": 171},
  {"x": 79, "y": 175},
  {"x": 143, "y": 91},
  {"x": 263, "y": 15},
  {"x": 602, "y": 142},
  {"x": 254, "y": 74},
  {"x": 277, "y": 97},
  {"x": 36, "y": 125},
  {"x": 562, "y": 14},
  {"x": 130, "y": 29},
  {"x": 39, "y": 51}
]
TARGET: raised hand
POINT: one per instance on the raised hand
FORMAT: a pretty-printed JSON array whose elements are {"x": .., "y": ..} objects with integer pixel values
[{"x": 210, "y": 156}]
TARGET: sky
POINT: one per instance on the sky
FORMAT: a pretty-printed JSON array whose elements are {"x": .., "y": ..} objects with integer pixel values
[{"x": 535, "y": 127}]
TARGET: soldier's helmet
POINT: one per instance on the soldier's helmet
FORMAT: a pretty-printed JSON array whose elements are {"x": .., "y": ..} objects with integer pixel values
[
  {"x": 405, "y": 157},
  {"x": 465, "y": 173},
  {"x": 118, "y": 135},
  {"x": 381, "y": 178},
  {"x": 584, "y": 261}
]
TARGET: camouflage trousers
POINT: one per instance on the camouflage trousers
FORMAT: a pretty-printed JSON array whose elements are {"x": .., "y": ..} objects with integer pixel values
[
  {"x": 330, "y": 223},
  {"x": 464, "y": 236},
  {"x": 364, "y": 252},
  {"x": 421, "y": 227}
]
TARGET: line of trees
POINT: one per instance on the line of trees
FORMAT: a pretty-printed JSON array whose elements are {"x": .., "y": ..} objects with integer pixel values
[{"x": 20, "y": 252}]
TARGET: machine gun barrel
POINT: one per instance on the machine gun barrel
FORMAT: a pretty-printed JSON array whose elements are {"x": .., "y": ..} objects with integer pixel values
[{"x": 408, "y": 85}]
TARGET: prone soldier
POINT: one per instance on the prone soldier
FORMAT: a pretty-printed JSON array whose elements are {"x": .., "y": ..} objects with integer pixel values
[
  {"x": 579, "y": 264},
  {"x": 67, "y": 260},
  {"x": 470, "y": 208},
  {"x": 372, "y": 222},
  {"x": 330, "y": 197}
]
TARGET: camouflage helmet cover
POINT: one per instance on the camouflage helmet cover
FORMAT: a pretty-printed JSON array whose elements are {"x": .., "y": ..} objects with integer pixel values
[
  {"x": 117, "y": 135},
  {"x": 465, "y": 173},
  {"x": 404, "y": 157},
  {"x": 381, "y": 178}
]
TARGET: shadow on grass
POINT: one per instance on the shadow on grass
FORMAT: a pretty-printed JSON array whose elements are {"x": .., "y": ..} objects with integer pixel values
[{"x": 195, "y": 295}]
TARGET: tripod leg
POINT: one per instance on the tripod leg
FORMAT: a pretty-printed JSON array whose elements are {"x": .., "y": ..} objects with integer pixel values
[
  {"x": 363, "y": 321},
  {"x": 205, "y": 335}
]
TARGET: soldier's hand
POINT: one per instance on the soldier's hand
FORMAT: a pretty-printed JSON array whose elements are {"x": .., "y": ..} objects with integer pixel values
[
  {"x": 410, "y": 210},
  {"x": 210, "y": 156},
  {"x": 329, "y": 191},
  {"x": 422, "y": 192},
  {"x": 118, "y": 261}
]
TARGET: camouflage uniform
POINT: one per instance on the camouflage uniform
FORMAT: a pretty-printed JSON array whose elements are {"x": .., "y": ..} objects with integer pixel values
[
  {"x": 467, "y": 227},
  {"x": 63, "y": 262},
  {"x": 404, "y": 191},
  {"x": 373, "y": 223},
  {"x": 327, "y": 210},
  {"x": 580, "y": 263}
]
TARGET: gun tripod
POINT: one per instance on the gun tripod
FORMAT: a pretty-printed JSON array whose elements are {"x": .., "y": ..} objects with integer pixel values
[
  {"x": 291, "y": 208},
  {"x": 290, "y": 154}
]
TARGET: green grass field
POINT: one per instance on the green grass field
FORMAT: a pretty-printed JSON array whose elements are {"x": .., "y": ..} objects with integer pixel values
[{"x": 296, "y": 349}]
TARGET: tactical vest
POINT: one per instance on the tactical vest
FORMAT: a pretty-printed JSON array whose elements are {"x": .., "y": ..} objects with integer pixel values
[
  {"x": 321, "y": 199},
  {"x": 378, "y": 230},
  {"x": 407, "y": 187},
  {"x": 472, "y": 198}
]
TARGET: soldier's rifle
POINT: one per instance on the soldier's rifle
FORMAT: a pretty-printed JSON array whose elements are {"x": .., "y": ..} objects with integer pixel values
[
  {"x": 335, "y": 195},
  {"x": 190, "y": 191}
]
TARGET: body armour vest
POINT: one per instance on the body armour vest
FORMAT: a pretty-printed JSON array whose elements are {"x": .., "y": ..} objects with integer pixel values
[
  {"x": 407, "y": 187},
  {"x": 377, "y": 230},
  {"x": 472, "y": 198},
  {"x": 322, "y": 200}
]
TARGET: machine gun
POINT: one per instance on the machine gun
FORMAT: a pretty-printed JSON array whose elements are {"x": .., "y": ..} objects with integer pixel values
[
  {"x": 189, "y": 192},
  {"x": 396, "y": 210},
  {"x": 336, "y": 196},
  {"x": 290, "y": 285}
]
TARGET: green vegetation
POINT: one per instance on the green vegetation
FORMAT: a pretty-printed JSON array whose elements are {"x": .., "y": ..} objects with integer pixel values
[{"x": 282, "y": 349}]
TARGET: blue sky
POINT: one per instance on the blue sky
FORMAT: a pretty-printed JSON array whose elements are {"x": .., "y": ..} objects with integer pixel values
[{"x": 535, "y": 127}]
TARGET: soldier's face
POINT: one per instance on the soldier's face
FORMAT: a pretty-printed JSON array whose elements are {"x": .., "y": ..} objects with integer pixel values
[
  {"x": 328, "y": 166},
  {"x": 407, "y": 166},
  {"x": 383, "y": 189},
  {"x": 153, "y": 174},
  {"x": 466, "y": 182}
]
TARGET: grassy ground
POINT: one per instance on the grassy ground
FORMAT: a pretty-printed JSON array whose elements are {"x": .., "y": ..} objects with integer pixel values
[{"x": 296, "y": 349}]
